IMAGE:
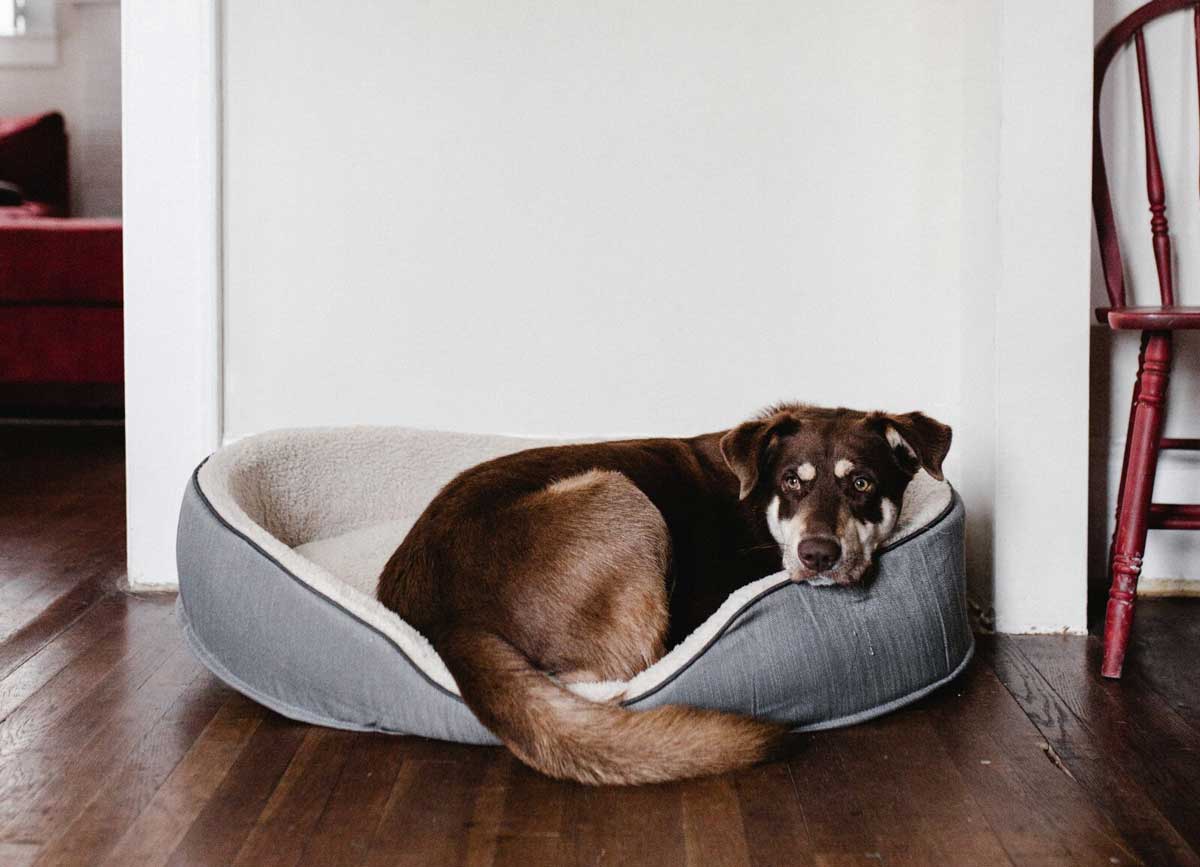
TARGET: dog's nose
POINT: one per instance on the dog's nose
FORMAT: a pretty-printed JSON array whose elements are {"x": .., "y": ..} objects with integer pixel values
[{"x": 819, "y": 554}]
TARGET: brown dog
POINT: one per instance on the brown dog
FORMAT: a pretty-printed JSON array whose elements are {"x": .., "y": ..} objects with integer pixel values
[{"x": 586, "y": 561}]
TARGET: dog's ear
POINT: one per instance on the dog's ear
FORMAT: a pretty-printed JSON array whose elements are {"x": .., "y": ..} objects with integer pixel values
[
  {"x": 916, "y": 440},
  {"x": 746, "y": 447}
]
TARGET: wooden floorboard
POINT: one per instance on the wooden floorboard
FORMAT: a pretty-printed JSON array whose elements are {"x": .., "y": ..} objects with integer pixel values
[
  {"x": 117, "y": 747},
  {"x": 51, "y": 622},
  {"x": 1039, "y": 814},
  {"x": 33, "y": 585},
  {"x": 644, "y": 825},
  {"x": 776, "y": 829},
  {"x": 535, "y": 821},
  {"x": 713, "y": 831},
  {"x": 1159, "y": 747},
  {"x": 1103, "y": 765},
  {"x": 344, "y": 831},
  {"x": 922, "y": 810},
  {"x": 100, "y": 822},
  {"x": 59, "y": 731},
  {"x": 1166, "y": 655},
  {"x": 26, "y": 673},
  {"x": 152, "y": 837},
  {"x": 232, "y": 809},
  {"x": 428, "y": 811},
  {"x": 291, "y": 814},
  {"x": 76, "y": 777}
]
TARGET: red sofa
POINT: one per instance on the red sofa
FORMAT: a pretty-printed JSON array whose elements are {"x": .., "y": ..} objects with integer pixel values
[{"x": 61, "y": 347}]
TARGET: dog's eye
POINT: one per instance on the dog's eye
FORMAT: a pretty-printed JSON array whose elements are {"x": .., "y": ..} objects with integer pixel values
[
  {"x": 862, "y": 484},
  {"x": 791, "y": 482}
]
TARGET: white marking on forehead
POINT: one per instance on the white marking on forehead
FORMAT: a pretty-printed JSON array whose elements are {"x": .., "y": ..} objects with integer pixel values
[
  {"x": 807, "y": 472},
  {"x": 842, "y": 467}
]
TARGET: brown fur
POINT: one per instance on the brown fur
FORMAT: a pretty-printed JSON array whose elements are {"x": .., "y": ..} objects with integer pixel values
[{"x": 581, "y": 562}]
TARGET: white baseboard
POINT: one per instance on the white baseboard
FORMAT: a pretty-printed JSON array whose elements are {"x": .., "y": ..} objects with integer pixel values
[
  {"x": 1159, "y": 588},
  {"x": 146, "y": 589}
]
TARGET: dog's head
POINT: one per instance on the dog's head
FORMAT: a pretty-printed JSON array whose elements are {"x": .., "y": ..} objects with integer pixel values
[{"x": 829, "y": 482}]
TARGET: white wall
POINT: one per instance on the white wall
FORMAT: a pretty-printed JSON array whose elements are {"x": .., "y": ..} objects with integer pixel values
[
  {"x": 1041, "y": 317},
  {"x": 657, "y": 217},
  {"x": 979, "y": 288},
  {"x": 582, "y": 218},
  {"x": 1171, "y": 556},
  {"x": 86, "y": 87}
]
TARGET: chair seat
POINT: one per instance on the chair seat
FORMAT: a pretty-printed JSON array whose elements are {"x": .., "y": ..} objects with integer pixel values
[{"x": 1149, "y": 318}]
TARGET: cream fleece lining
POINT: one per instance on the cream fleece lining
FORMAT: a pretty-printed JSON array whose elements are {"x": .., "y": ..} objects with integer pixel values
[{"x": 332, "y": 504}]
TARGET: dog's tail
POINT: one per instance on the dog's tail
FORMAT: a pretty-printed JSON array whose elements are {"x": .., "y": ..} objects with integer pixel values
[{"x": 567, "y": 736}]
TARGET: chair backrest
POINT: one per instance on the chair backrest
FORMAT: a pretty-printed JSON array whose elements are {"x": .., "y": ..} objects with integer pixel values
[{"x": 1106, "y": 232}]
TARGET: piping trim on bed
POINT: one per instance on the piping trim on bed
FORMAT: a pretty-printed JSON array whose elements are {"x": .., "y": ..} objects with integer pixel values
[{"x": 643, "y": 685}]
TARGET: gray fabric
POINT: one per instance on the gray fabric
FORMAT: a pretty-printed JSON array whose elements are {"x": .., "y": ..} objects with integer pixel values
[
  {"x": 271, "y": 637},
  {"x": 811, "y": 657},
  {"x": 820, "y": 657}
]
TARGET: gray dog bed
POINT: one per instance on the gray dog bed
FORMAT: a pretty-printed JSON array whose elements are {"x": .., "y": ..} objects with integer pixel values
[{"x": 282, "y": 535}]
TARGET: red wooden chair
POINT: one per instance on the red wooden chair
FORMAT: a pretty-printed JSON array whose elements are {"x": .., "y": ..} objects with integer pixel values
[{"x": 1136, "y": 514}]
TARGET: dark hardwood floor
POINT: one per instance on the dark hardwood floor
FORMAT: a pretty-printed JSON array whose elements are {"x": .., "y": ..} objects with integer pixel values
[{"x": 117, "y": 747}]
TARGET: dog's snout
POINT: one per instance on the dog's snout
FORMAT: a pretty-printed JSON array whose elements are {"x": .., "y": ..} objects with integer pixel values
[{"x": 819, "y": 554}]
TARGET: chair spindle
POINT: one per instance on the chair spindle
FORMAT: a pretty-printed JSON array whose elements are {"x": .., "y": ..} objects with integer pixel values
[
  {"x": 1155, "y": 189},
  {"x": 1196, "y": 31}
]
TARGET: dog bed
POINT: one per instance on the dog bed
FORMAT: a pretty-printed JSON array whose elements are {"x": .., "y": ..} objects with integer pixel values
[{"x": 282, "y": 535}]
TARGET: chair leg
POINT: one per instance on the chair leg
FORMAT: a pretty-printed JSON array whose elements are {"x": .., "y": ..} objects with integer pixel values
[
  {"x": 1137, "y": 387},
  {"x": 1137, "y": 488}
]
